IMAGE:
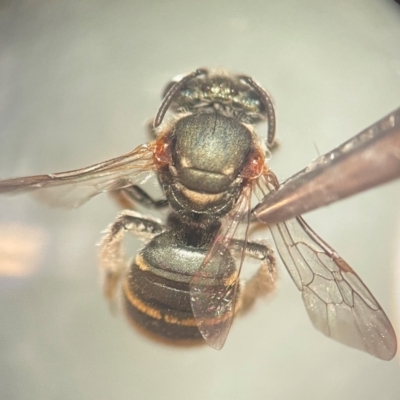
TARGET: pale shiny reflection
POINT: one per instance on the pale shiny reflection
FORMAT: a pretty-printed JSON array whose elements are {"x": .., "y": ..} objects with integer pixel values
[
  {"x": 21, "y": 249},
  {"x": 397, "y": 284}
]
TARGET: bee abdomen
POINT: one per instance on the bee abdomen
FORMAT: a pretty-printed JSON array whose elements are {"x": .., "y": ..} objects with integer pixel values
[
  {"x": 157, "y": 289},
  {"x": 159, "y": 308}
]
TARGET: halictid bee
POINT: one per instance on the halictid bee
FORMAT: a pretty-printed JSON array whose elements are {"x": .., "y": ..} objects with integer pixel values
[{"x": 184, "y": 284}]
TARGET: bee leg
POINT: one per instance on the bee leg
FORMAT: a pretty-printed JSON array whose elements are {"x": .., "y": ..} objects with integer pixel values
[
  {"x": 128, "y": 197},
  {"x": 112, "y": 260},
  {"x": 263, "y": 281}
]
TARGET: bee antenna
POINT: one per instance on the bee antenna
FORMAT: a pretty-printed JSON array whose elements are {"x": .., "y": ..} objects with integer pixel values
[
  {"x": 269, "y": 107},
  {"x": 172, "y": 92}
]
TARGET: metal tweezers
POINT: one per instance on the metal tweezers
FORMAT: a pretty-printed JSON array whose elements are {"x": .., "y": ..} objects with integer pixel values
[{"x": 369, "y": 159}]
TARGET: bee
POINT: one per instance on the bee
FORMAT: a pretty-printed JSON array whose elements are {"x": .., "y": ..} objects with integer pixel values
[{"x": 184, "y": 285}]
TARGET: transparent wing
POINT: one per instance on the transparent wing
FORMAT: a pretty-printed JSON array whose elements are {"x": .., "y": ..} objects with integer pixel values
[
  {"x": 337, "y": 301},
  {"x": 73, "y": 188},
  {"x": 213, "y": 289}
]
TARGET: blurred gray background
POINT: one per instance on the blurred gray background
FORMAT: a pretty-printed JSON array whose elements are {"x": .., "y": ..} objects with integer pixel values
[{"x": 78, "y": 80}]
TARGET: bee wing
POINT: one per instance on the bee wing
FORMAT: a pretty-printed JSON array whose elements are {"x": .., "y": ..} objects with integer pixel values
[
  {"x": 337, "y": 301},
  {"x": 213, "y": 289},
  {"x": 73, "y": 188}
]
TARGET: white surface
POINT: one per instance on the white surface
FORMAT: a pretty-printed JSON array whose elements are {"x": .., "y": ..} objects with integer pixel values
[{"x": 78, "y": 79}]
